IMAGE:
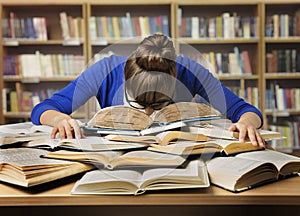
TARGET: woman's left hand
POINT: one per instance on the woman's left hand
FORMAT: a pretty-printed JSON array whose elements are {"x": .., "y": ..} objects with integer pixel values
[{"x": 247, "y": 128}]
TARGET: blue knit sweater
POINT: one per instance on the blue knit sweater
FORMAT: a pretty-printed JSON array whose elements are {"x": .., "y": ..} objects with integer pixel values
[{"x": 105, "y": 81}]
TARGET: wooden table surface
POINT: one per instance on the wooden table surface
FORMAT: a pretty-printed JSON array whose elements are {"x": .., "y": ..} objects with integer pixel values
[{"x": 285, "y": 192}]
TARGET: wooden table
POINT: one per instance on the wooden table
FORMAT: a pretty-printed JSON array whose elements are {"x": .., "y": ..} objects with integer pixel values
[{"x": 280, "y": 198}]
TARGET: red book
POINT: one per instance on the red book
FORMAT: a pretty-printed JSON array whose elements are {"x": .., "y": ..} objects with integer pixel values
[
  {"x": 137, "y": 26},
  {"x": 246, "y": 60}
]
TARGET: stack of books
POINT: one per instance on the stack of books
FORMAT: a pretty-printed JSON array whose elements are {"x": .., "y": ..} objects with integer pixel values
[{"x": 186, "y": 145}]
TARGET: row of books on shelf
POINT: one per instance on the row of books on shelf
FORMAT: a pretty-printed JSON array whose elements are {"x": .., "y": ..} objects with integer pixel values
[
  {"x": 23, "y": 101},
  {"x": 291, "y": 131},
  {"x": 278, "y": 98},
  {"x": 250, "y": 94},
  {"x": 43, "y": 65},
  {"x": 25, "y": 28},
  {"x": 72, "y": 27},
  {"x": 283, "y": 25},
  {"x": 126, "y": 26},
  {"x": 225, "y": 26},
  {"x": 283, "y": 60},
  {"x": 233, "y": 63}
]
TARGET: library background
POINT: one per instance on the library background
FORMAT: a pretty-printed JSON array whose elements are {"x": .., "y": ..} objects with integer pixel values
[{"x": 253, "y": 47}]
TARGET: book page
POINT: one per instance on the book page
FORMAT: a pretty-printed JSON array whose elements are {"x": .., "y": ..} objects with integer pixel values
[
  {"x": 187, "y": 147},
  {"x": 169, "y": 136},
  {"x": 26, "y": 128},
  {"x": 103, "y": 158},
  {"x": 120, "y": 117},
  {"x": 28, "y": 158},
  {"x": 195, "y": 174},
  {"x": 183, "y": 111},
  {"x": 108, "y": 182},
  {"x": 212, "y": 131},
  {"x": 128, "y": 138},
  {"x": 89, "y": 143},
  {"x": 147, "y": 158}
]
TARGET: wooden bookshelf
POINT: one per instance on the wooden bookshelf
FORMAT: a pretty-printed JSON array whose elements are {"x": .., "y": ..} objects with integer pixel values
[
  {"x": 287, "y": 75},
  {"x": 54, "y": 46},
  {"x": 257, "y": 45}
]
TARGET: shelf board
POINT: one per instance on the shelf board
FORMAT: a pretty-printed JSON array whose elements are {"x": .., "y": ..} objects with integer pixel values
[
  {"x": 16, "y": 115},
  {"x": 237, "y": 77},
  {"x": 282, "y": 75},
  {"x": 38, "y": 79},
  {"x": 282, "y": 113},
  {"x": 219, "y": 40},
  {"x": 106, "y": 41},
  {"x": 282, "y": 40},
  {"x": 42, "y": 42}
]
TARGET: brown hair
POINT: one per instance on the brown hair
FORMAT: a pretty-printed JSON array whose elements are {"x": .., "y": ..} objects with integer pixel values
[{"x": 150, "y": 71}]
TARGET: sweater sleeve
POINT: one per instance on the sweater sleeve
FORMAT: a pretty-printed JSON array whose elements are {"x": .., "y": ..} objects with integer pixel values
[
  {"x": 200, "y": 81},
  {"x": 95, "y": 81}
]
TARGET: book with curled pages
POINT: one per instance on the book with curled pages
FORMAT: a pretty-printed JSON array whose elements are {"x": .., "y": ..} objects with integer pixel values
[
  {"x": 117, "y": 159},
  {"x": 130, "y": 121},
  {"x": 251, "y": 169},
  {"x": 134, "y": 182}
]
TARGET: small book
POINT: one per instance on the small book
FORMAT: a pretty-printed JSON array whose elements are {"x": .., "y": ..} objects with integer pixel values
[
  {"x": 251, "y": 169},
  {"x": 126, "y": 182},
  {"x": 90, "y": 143},
  {"x": 114, "y": 159},
  {"x": 131, "y": 121},
  {"x": 222, "y": 146},
  {"x": 25, "y": 167},
  {"x": 163, "y": 138}
]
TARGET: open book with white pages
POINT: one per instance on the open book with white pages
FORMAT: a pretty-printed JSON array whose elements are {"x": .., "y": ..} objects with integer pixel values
[
  {"x": 135, "y": 182},
  {"x": 22, "y": 132}
]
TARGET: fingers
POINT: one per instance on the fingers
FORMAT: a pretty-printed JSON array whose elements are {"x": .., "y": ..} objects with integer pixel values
[
  {"x": 67, "y": 128},
  {"x": 248, "y": 132}
]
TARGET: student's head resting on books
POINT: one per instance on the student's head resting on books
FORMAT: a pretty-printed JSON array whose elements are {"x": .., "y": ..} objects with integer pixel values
[
  {"x": 150, "y": 74},
  {"x": 150, "y": 78}
]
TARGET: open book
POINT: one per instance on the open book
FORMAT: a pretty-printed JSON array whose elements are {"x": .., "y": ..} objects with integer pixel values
[
  {"x": 163, "y": 138},
  {"x": 113, "y": 159},
  {"x": 25, "y": 167},
  {"x": 133, "y": 182},
  {"x": 90, "y": 143},
  {"x": 130, "y": 121},
  {"x": 251, "y": 169},
  {"x": 220, "y": 129},
  {"x": 22, "y": 132},
  {"x": 226, "y": 147}
]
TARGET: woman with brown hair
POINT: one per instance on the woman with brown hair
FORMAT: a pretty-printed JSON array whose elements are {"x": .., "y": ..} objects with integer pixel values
[{"x": 152, "y": 77}]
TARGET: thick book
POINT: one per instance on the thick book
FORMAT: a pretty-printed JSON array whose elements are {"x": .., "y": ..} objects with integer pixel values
[
  {"x": 163, "y": 138},
  {"x": 25, "y": 167},
  {"x": 133, "y": 182},
  {"x": 131, "y": 121},
  {"x": 116, "y": 159},
  {"x": 221, "y": 146},
  {"x": 247, "y": 170},
  {"x": 90, "y": 143}
]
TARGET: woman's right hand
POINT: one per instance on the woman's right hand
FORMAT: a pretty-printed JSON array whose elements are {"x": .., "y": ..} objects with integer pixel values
[
  {"x": 67, "y": 128},
  {"x": 63, "y": 125}
]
